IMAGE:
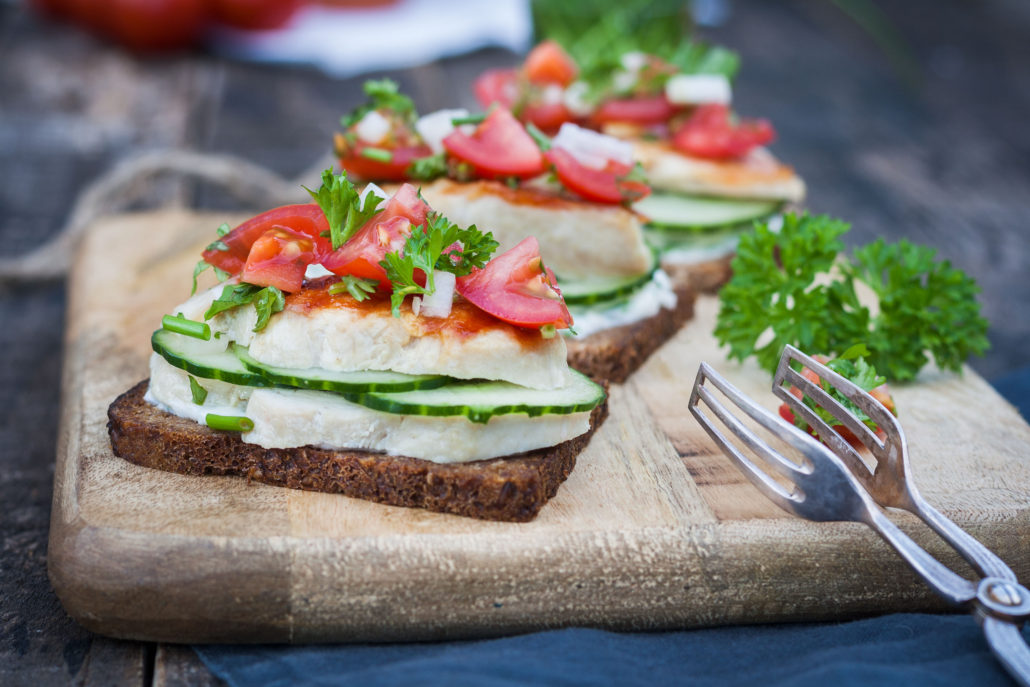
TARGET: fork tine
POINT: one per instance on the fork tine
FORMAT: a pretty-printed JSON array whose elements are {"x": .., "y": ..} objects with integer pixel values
[{"x": 869, "y": 405}]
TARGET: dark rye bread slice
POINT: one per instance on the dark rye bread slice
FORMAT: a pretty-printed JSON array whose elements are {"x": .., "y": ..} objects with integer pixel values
[
  {"x": 614, "y": 354},
  {"x": 512, "y": 488},
  {"x": 707, "y": 276}
]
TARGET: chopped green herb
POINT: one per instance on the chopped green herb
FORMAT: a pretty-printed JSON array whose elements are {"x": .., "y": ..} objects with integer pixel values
[
  {"x": 217, "y": 245},
  {"x": 429, "y": 167},
  {"x": 471, "y": 119},
  {"x": 267, "y": 301},
  {"x": 229, "y": 423},
  {"x": 360, "y": 289},
  {"x": 223, "y": 229},
  {"x": 383, "y": 94},
  {"x": 542, "y": 140},
  {"x": 198, "y": 392},
  {"x": 343, "y": 207},
  {"x": 191, "y": 328},
  {"x": 548, "y": 331},
  {"x": 379, "y": 154}
]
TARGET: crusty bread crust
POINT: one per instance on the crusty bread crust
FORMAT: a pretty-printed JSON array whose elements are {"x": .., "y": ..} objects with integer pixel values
[
  {"x": 512, "y": 488},
  {"x": 614, "y": 354}
]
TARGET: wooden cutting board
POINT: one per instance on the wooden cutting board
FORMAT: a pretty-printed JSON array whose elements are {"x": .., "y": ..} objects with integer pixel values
[{"x": 654, "y": 528}]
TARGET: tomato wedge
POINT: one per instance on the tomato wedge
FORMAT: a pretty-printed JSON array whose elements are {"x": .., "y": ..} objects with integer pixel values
[
  {"x": 548, "y": 118},
  {"x": 406, "y": 203},
  {"x": 361, "y": 255},
  {"x": 710, "y": 133},
  {"x": 517, "y": 288},
  {"x": 230, "y": 253},
  {"x": 279, "y": 258},
  {"x": 497, "y": 86},
  {"x": 548, "y": 63},
  {"x": 596, "y": 185},
  {"x": 499, "y": 147},
  {"x": 643, "y": 110},
  {"x": 370, "y": 169}
]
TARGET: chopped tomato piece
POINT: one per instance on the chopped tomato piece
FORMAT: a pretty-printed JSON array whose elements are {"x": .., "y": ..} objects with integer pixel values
[
  {"x": 497, "y": 86},
  {"x": 643, "y": 110},
  {"x": 406, "y": 203},
  {"x": 548, "y": 63},
  {"x": 231, "y": 251},
  {"x": 517, "y": 288},
  {"x": 279, "y": 258},
  {"x": 499, "y": 147},
  {"x": 548, "y": 118},
  {"x": 710, "y": 133},
  {"x": 597, "y": 185},
  {"x": 361, "y": 255},
  {"x": 358, "y": 164}
]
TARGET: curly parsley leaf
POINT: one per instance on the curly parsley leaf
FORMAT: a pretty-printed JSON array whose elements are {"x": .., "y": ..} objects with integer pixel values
[
  {"x": 359, "y": 289},
  {"x": 343, "y": 207},
  {"x": 429, "y": 167},
  {"x": 431, "y": 247},
  {"x": 784, "y": 291},
  {"x": 267, "y": 301},
  {"x": 383, "y": 94}
]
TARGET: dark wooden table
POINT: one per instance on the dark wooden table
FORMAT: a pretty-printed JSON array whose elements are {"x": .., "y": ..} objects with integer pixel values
[{"x": 941, "y": 157}]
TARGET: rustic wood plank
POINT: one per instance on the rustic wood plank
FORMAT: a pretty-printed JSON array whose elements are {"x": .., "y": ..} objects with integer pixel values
[
  {"x": 112, "y": 662},
  {"x": 178, "y": 666},
  {"x": 218, "y": 559}
]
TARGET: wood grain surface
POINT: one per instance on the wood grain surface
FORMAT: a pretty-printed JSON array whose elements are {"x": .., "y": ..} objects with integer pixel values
[{"x": 654, "y": 528}]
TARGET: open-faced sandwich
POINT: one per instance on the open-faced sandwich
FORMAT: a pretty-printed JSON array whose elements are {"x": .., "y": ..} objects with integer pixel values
[
  {"x": 571, "y": 193},
  {"x": 371, "y": 347},
  {"x": 710, "y": 171}
]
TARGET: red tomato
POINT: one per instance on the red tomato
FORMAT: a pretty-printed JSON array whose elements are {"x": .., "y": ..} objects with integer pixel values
[
  {"x": 497, "y": 86},
  {"x": 548, "y": 63},
  {"x": 308, "y": 220},
  {"x": 517, "y": 288},
  {"x": 597, "y": 185},
  {"x": 643, "y": 110},
  {"x": 278, "y": 258},
  {"x": 361, "y": 255},
  {"x": 709, "y": 133},
  {"x": 155, "y": 25},
  {"x": 254, "y": 14},
  {"x": 499, "y": 147},
  {"x": 548, "y": 118},
  {"x": 369, "y": 169},
  {"x": 406, "y": 203}
]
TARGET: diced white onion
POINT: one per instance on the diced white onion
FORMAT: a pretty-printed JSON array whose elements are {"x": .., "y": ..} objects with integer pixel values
[
  {"x": 436, "y": 126},
  {"x": 373, "y": 189},
  {"x": 590, "y": 148},
  {"x": 372, "y": 128},
  {"x": 698, "y": 89},
  {"x": 633, "y": 61},
  {"x": 623, "y": 81},
  {"x": 438, "y": 303},
  {"x": 416, "y": 305},
  {"x": 553, "y": 94},
  {"x": 575, "y": 100},
  {"x": 315, "y": 271}
]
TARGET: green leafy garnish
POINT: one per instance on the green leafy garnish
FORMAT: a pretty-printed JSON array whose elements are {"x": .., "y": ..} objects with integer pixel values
[
  {"x": 202, "y": 265},
  {"x": 198, "y": 392},
  {"x": 342, "y": 205},
  {"x": 360, "y": 289},
  {"x": 784, "y": 290},
  {"x": 383, "y": 94},
  {"x": 543, "y": 141},
  {"x": 853, "y": 366},
  {"x": 428, "y": 248},
  {"x": 267, "y": 300},
  {"x": 223, "y": 229},
  {"x": 429, "y": 167}
]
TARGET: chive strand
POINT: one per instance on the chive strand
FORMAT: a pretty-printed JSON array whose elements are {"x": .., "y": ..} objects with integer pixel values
[
  {"x": 229, "y": 423},
  {"x": 377, "y": 154},
  {"x": 471, "y": 119},
  {"x": 192, "y": 328}
]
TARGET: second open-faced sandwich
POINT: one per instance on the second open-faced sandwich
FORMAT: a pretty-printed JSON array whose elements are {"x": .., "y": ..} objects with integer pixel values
[
  {"x": 710, "y": 171},
  {"x": 571, "y": 192},
  {"x": 369, "y": 347}
]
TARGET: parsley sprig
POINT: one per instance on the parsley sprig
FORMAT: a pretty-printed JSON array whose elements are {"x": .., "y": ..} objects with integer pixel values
[
  {"x": 342, "y": 205},
  {"x": 430, "y": 247},
  {"x": 785, "y": 290},
  {"x": 267, "y": 300},
  {"x": 852, "y": 365},
  {"x": 359, "y": 289},
  {"x": 383, "y": 94},
  {"x": 217, "y": 244}
]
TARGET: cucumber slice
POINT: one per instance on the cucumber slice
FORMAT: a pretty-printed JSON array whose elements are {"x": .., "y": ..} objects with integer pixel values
[
  {"x": 590, "y": 291},
  {"x": 481, "y": 400},
  {"x": 205, "y": 359},
  {"x": 695, "y": 213},
  {"x": 329, "y": 380}
]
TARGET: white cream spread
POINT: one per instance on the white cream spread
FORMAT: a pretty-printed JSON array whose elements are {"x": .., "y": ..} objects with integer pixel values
[
  {"x": 289, "y": 418},
  {"x": 645, "y": 302}
]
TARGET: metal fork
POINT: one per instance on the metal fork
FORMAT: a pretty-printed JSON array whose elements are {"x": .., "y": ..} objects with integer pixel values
[{"x": 836, "y": 485}]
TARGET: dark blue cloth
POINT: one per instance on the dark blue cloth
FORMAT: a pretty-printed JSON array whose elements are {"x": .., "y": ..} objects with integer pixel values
[
  {"x": 915, "y": 650},
  {"x": 901, "y": 649}
]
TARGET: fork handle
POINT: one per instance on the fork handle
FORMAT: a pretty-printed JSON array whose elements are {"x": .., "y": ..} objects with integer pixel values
[
  {"x": 942, "y": 580},
  {"x": 1009, "y": 648},
  {"x": 978, "y": 555}
]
